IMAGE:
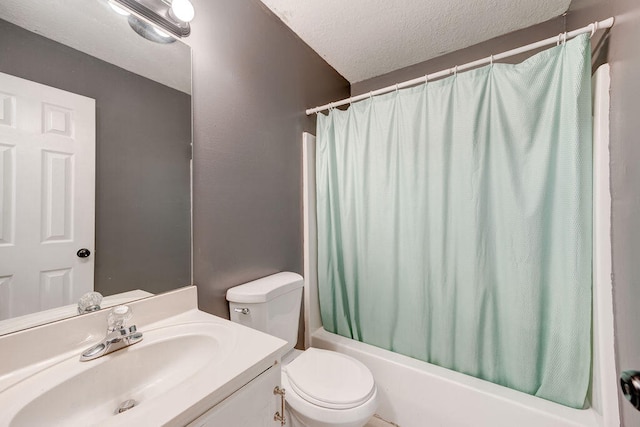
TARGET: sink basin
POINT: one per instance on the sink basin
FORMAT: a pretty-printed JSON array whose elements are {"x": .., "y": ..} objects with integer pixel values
[
  {"x": 187, "y": 363},
  {"x": 74, "y": 393}
]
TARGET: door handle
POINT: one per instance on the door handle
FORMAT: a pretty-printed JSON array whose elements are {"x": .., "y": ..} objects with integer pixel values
[
  {"x": 83, "y": 253},
  {"x": 630, "y": 385}
]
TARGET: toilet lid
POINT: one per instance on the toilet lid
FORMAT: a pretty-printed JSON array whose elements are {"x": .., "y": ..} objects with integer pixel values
[{"x": 329, "y": 379}]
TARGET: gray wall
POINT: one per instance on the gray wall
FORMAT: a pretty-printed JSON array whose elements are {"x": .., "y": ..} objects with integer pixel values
[
  {"x": 253, "y": 78},
  {"x": 143, "y": 140},
  {"x": 624, "y": 57}
]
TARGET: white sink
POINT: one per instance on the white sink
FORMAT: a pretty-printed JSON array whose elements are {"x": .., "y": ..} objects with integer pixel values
[
  {"x": 187, "y": 362},
  {"x": 89, "y": 393}
]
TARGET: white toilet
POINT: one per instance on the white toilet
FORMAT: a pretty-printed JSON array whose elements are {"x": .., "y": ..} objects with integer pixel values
[{"x": 323, "y": 388}]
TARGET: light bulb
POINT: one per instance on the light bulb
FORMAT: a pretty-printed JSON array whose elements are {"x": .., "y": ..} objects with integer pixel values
[
  {"x": 160, "y": 32},
  {"x": 183, "y": 10},
  {"x": 118, "y": 9}
]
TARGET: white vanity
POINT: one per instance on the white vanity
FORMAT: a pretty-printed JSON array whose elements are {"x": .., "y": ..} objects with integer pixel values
[{"x": 190, "y": 368}]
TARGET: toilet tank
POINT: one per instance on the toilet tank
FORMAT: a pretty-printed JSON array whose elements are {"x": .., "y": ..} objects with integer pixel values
[{"x": 270, "y": 304}]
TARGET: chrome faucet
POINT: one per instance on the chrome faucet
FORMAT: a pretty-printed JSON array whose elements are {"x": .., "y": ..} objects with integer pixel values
[{"x": 118, "y": 335}]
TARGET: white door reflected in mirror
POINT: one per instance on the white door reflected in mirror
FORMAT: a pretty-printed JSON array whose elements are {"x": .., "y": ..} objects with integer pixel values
[{"x": 47, "y": 196}]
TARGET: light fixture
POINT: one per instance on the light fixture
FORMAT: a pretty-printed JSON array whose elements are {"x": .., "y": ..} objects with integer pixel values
[
  {"x": 149, "y": 32},
  {"x": 155, "y": 19},
  {"x": 182, "y": 10},
  {"x": 117, "y": 9},
  {"x": 161, "y": 33}
]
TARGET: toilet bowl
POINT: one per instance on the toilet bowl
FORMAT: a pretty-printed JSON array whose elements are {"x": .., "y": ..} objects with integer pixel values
[
  {"x": 328, "y": 389},
  {"x": 323, "y": 388}
]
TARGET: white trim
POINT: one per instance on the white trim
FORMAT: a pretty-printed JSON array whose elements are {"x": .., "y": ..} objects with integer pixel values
[
  {"x": 604, "y": 387},
  {"x": 312, "y": 321}
]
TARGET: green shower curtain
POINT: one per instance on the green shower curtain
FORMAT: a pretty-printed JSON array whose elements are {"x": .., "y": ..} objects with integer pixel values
[{"x": 454, "y": 222}]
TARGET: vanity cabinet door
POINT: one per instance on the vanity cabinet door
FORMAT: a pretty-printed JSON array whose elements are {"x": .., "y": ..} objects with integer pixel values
[{"x": 253, "y": 405}]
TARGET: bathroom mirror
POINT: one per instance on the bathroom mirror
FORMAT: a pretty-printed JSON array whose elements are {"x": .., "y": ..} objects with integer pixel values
[{"x": 95, "y": 159}]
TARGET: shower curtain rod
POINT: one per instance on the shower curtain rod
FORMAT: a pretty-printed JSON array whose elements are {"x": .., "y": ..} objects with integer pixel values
[{"x": 560, "y": 38}]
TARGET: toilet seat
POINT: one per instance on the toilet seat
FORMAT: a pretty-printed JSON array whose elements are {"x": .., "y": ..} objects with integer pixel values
[{"x": 330, "y": 380}]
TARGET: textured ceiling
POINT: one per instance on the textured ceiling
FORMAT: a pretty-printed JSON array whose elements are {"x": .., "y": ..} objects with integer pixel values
[
  {"x": 90, "y": 26},
  {"x": 366, "y": 38}
]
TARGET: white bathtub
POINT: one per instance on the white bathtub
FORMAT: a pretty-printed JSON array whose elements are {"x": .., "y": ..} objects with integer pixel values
[
  {"x": 413, "y": 393},
  {"x": 417, "y": 394}
]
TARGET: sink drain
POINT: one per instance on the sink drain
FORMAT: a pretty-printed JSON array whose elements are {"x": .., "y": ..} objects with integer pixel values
[{"x": 125, "y": 406}]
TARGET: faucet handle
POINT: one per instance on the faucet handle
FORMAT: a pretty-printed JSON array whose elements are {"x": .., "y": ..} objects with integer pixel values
[
  {"x": 118, "y": 316},
  {"x": 89, "y": 302}
]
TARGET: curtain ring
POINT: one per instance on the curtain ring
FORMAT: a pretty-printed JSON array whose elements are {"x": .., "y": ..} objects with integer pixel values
[
  {"x": 558, "y": 42},
  {"x": 491, "y": 58},
  {"x": 396, "y": 87},
  {"x": 564, "y": 37},
  {"x": 455, "y": 70},
  {"x": 371, "y": 95},
  {"x": 426, "y": 78}
]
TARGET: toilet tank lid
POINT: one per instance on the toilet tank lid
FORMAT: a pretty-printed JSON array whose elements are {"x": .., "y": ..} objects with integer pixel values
[{"x": 266, "y": 288}]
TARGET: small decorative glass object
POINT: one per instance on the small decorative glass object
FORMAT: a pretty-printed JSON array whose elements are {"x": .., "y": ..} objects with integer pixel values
[{"x": 89, "y": 302}]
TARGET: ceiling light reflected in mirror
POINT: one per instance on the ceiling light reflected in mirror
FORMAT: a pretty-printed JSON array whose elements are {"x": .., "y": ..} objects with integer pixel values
[
  {"x": 117, "y": 9},
  {"x": 148, "y": 31},
  {"x": 157, "y": 20}
]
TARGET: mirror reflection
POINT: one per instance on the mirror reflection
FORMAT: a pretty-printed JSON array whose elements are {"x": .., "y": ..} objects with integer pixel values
[{"x": 95, "y": 154}]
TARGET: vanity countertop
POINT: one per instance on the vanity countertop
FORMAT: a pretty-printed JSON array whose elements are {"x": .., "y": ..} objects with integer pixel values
[{"x": 208, "y": 359}]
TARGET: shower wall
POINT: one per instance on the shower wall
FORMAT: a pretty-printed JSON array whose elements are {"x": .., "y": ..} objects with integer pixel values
[{"x": 624, "y": 58}]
